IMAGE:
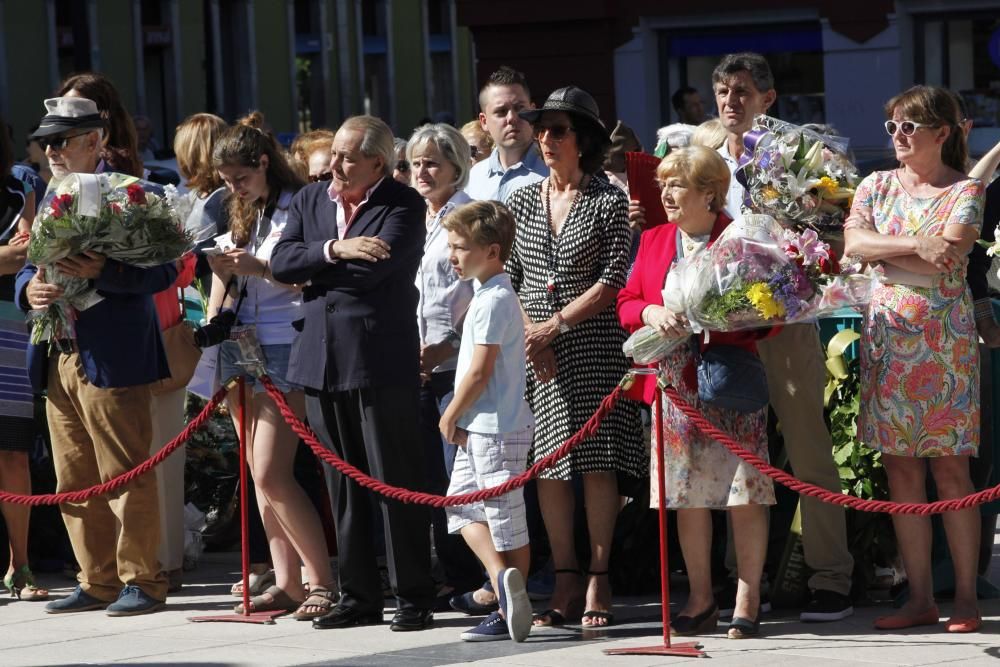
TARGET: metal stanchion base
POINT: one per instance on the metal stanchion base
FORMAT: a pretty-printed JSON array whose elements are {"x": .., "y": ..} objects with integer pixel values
[
  {"x": 683, "y": 650},
  {"x": 258, "y": 617}
]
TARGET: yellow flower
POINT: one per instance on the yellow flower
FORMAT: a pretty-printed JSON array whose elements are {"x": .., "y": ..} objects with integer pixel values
[
  {"x": 827, "y": 186},
  {"x": 762, "y": 298},
  {"x": 769, "y": 194}
]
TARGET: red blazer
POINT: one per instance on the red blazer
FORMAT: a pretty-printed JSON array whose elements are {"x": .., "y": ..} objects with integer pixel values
[{"x": 657, "y": 249}]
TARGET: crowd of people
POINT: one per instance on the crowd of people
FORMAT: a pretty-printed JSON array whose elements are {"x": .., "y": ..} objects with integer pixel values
[{"x": 446, "y": 310}]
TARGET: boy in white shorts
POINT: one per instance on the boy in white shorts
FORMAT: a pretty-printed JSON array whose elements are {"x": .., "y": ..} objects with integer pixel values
[{"x": 488, "y": 417}]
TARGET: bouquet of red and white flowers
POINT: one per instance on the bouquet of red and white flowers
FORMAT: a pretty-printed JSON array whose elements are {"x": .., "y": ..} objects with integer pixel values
[{"x": 118, "y": 216}]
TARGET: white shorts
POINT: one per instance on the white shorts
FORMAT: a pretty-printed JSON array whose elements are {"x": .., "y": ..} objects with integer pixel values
[{"x": 488, "y": 460}]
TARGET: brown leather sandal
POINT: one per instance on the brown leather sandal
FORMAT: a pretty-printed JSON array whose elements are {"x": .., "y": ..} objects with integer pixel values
[
  {"x": 319, "y": 596},
  {"x": 272, "y": 599}
]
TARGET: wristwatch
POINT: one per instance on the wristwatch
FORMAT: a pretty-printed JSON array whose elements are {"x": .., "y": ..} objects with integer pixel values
[
  {"x": 453, "y": 339},
  {"x": 563, "y": 326}
]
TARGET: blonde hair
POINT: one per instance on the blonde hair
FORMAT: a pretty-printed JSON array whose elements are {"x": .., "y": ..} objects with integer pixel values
[
  {"x": 378, "y": 140},
  {"x": 474, "y": 130},
  {"x": 194, "y": 140},
  {"x": 700, "y": 168},
  {"x": 710, "y": 134},
  {"x": 484, "y": 223},
  {"x": 305, "y": 145}
]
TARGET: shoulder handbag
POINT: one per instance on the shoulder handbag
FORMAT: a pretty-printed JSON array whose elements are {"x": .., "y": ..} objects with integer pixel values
[
  {"x": 732, "y": 378},
  {"x": 182, "y": 354}
]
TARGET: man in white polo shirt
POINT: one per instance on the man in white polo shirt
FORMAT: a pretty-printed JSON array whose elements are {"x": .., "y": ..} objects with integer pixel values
[
  {"x": 515, "y": 161},
  {"x": 744, "y": 87}
]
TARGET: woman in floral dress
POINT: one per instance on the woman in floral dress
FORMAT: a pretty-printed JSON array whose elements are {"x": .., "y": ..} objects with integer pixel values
[
  {"x": 920, "y": 355},
  {"x": 700, "y": 473}
]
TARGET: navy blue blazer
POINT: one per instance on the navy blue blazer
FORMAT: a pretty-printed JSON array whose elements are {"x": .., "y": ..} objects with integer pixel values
[
  {"x": 119, "y": 338},
  {"x": 360, "y": 324}
]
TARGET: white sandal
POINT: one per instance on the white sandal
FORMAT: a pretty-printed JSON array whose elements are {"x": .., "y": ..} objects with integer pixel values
[{"x": 258, "y": 584}]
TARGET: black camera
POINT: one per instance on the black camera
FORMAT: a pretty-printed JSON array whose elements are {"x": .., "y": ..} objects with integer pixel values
[{"x": 216, "y": 331}]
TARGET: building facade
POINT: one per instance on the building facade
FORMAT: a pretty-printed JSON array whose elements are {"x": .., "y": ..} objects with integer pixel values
[
  {"x": 834, "y": 62},
  {"x": 304, "y": 63}
]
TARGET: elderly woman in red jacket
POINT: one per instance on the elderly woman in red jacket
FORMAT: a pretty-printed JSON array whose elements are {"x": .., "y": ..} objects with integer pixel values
[{"x": 701, "y": 474}]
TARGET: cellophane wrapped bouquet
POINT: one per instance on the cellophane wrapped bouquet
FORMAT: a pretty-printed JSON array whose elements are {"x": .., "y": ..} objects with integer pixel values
[
  {"x": 118, "y": 216},
  {"x": 801, "y": 178},
  {"x": 757, "y": 274}
]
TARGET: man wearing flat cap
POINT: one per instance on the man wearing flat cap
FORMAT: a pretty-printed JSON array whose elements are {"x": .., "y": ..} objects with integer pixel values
[{"x": 99, "y": 395}]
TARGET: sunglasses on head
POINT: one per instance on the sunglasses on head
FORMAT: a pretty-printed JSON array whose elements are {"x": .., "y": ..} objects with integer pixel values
[
  {"x": 325, "y": 176},
  {"x": 556, "y": 132},
  {"x": 907, "y": 127},
  {"x": 403, "y": 165},
  {"x": 59, "y": 142}
]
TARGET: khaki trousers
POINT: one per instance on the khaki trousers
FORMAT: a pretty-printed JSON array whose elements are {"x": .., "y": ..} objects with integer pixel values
[
  {"x": 98, "y": 434},
  {"x": 168, "y": 421},
  {"x": 796, "y": 376}
]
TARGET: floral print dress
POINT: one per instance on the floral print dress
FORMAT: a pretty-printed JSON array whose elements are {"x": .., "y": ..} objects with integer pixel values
[
  {"x": 700, "y": 472},
  {"x": 920, "y": 349}
]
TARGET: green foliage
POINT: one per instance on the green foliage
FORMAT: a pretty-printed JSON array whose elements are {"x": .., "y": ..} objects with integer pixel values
[
  {"x": 870, "y": 536},
  {"x": 717, "y": 308}
]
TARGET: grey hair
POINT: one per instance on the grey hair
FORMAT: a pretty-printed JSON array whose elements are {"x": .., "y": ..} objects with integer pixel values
[
  {"x": 453, "y": 146},
  {"x": 399, "y": 146},
  {"x": 377, "y": 140},
  {"x": 754, "y": 63}
]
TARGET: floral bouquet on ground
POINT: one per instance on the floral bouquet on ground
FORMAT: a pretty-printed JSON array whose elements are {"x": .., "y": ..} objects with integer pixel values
[
  {"x": 757, "y": 274},
  {"x": 800, "y": 177},
  {"x": 119, "y": 216}
]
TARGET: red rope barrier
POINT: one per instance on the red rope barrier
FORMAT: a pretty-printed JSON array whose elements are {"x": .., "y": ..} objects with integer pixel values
[
  {"x": 408, "y": 496},
  {"x": 825, "y": 495},
  {"x": 121, "y": 480}
]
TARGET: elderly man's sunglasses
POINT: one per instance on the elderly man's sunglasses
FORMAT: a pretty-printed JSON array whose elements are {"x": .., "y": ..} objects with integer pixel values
[
  {"x": 907, "y": 127},
  {"x": 58, "y": 143}
]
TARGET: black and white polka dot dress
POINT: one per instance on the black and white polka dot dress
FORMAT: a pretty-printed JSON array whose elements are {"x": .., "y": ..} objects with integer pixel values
[{"x": 593, "y": 246}]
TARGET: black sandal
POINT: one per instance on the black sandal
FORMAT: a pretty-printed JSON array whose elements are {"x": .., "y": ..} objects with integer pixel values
[
  {"x": 556, "y": 618},
  {"x": 701, "y": 624},
  {"x": 599, "y": 615},
  {"x": 744, "y": 628}
]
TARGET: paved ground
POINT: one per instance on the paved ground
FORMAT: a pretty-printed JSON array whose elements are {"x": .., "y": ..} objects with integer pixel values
[{"x": 30, "y": 637}]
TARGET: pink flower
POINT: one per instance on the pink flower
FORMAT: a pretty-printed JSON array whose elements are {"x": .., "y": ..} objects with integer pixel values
[
  {"x": 913, "y": 308},
  {"x": 806, "y": 246},
  {"x": 924, "y": 381}
]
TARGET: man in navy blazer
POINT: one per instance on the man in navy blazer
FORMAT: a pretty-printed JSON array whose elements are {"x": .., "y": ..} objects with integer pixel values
[
  {"x": 99, "y": 396},
  {"x": 355, "y": 247}
]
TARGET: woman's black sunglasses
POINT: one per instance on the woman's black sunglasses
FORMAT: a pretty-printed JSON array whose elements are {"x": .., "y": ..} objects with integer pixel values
[{"x": 325, "y": 176}]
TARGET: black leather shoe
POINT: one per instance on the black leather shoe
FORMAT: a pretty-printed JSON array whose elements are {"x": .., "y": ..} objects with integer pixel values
[
  {"x": 346, "y": 617},
  {"x": 407, "y": 620}
]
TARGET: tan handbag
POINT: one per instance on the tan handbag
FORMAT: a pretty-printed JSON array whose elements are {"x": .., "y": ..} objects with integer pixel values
[{"x": 182, "y": 355}]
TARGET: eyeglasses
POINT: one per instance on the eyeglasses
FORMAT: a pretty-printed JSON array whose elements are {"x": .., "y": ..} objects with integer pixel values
[
  {"x": 58, "y": 143},
  {"x": 556, "y": 132},
  {"x": 403, "y": 165},
  {"x": 474, "y": 150},
  {"x": 325, "y": 176},
  {"x": 907, "y": 127}
]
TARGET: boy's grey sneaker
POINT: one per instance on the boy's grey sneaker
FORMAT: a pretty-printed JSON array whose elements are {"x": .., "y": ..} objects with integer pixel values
[
  {"x": 75, "y": 601},
  {"x": 133, "y": 601},
  {"x": 515, "y": 603},
  {"x": 493, "y": 628}
]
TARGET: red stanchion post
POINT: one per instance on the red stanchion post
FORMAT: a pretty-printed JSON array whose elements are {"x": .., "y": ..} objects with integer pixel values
[
  {"x": 244, "y": 504},
  {"x": 261, "y": 617},
  {"x": 685, "y": 649}
]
